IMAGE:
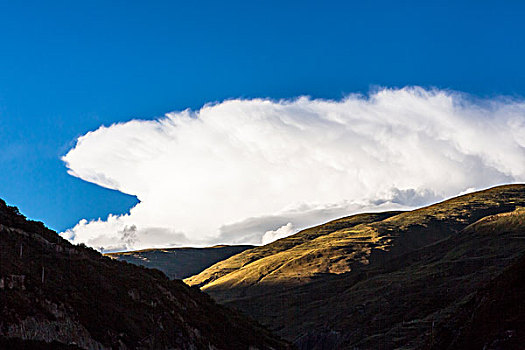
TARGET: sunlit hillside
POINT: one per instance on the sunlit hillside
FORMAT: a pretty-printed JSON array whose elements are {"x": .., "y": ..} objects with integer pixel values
[{"x": 378, "y": 280}]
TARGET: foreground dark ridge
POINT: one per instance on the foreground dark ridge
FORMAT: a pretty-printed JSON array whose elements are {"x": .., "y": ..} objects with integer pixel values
[
  {"x": 379, "y": 281},
  {"x": 55, "y": 295},
  {"x": 180, "y": 262}
]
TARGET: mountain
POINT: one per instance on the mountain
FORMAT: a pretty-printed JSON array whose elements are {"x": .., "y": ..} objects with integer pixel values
[
  {"x": 377, "y": 281},
  {"x": 179, "y": 262},
  {"x": 54, "y": 295}
]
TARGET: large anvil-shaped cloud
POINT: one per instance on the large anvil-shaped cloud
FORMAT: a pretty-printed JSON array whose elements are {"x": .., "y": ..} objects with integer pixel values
[{"x": 239, "y": 170}]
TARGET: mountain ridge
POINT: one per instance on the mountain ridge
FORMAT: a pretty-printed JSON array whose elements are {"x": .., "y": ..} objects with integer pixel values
[
  {"x": 179, "y": 263},
  {"x": 375, "y": 233}
]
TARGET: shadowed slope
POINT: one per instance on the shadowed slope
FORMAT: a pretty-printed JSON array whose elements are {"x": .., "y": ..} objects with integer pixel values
[
  {"x": 494, "y": 316},
  {"x": 51, "y": 291},
  {"x": 179, "y": 262}
]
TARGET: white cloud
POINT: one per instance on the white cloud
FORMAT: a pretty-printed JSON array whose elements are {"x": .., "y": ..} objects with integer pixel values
[
  {"x": 281, "y": 232},
  {"x": 234, "y": 171}
]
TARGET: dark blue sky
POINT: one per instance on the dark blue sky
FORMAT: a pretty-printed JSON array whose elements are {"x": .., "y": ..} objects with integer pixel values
[{"x": 68, "y": 67}]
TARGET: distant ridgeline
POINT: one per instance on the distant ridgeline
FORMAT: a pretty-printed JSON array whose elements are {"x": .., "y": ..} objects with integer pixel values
[
  {"x": 180, "y": 262},
  {"x": 54, "y": 295},
  {"x": 447, "y": 276}
]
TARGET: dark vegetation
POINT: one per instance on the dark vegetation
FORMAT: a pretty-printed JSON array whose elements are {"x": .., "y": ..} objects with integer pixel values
[
  {"x": 443, "y": 277},
  {"x": 52, "y": 291},
  {"x": 178, "y": 263}
]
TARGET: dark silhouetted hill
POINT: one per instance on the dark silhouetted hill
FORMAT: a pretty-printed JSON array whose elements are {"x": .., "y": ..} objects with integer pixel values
[
  {"x": 179, "y": 263},
  {"x": 54, "y": 295}
]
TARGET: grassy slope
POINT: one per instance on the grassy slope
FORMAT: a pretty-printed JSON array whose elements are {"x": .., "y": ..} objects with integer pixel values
[
  {"x": 376, "y": 284},
  {"x": 345, "y": 244},
  {"x": 290, "y": 260},
  {"x": 178, "y": 263}
]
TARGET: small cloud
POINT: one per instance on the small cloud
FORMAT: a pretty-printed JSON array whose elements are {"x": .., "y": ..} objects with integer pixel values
[
  {"x": 281, "y": 232},
  {"x": 467, "y": 191}
]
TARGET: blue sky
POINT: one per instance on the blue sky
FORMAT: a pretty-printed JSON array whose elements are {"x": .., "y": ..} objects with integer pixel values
[{"x": 68, "y": 67}]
